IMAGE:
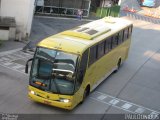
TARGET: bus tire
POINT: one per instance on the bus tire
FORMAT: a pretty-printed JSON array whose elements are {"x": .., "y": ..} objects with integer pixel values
[
  {"x": 118, "y": 65},
  {"x": 86, "y": 93}
]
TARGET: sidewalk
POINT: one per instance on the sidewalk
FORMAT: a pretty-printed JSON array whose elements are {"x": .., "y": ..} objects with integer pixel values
[
  {"x": 151, "y": 12},
  {"x": 11, "y": 45},
  {"x": 133, "y": 6},
  {"x": 44, "y": 27}
]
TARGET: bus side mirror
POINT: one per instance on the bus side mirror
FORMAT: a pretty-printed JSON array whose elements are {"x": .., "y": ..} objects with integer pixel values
[{"x": 26, "y": 68}]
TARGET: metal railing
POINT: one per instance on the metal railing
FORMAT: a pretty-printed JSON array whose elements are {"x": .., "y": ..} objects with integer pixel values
[{"x": 53, "y": 10}]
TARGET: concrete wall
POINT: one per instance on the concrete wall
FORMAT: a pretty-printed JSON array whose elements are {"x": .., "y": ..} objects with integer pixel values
[
  {"x": 4, "y": 34},
  {"x": 22, "y": 10}
]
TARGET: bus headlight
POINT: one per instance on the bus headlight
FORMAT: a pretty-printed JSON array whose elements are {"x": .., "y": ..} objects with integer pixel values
[
  {"x": 64, "y": 100},
  {"x": 32, "y": 92}
]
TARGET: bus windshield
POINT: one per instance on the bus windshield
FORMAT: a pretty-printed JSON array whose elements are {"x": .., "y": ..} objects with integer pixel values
[{"x": 53, "y": 71}]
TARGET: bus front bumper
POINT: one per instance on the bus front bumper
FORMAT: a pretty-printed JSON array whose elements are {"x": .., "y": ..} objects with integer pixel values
[{"x": 55, "y": 103}]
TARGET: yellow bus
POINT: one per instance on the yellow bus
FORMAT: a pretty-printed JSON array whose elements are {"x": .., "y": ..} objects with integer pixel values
[{"x": 67, "y": 66}]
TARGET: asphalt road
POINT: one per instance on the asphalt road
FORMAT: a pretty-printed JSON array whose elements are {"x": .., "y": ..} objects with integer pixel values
[{"x": 135, "y": 88}]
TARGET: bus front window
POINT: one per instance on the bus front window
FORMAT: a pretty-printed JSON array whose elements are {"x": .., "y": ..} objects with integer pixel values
[{"x": 53, "y": 71}]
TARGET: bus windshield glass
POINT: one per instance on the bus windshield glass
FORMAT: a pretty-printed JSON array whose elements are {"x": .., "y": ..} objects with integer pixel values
[{"x": 53, "y": 71}]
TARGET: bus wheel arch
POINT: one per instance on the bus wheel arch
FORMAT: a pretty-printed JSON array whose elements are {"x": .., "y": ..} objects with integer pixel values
[
  {"x": 86, "y": 93},
  {"x": 118, "y": 64}
]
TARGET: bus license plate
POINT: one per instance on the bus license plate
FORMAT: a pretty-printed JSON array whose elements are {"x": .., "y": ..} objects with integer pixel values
[{"x": 47, "y": 102}]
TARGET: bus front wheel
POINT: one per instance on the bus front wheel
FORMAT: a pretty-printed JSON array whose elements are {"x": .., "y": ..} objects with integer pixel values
[{"x": 86, "y": 93}]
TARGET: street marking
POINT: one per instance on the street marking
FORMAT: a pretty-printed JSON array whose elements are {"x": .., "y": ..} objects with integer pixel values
[
  {"x": 154, "y": 113},
  {"x": 23, "y": 70},
  {"x": 13, "y": 69},
  {"x": 122, "y": 104},
  {"x": 20, "y": 55},
  {"x": 126, "y": 106},
  {"x": 17, "y": 66},
  {"x": 101, "y": 97},
  {"x": 15, "y": 56},
  {"x": 140, "y": 110},
  {"x": 114, "y": 102},
  {"x": 7, "y": 60},
  {"x": 7, "y": 63},
  {"x": 9, "y": 52},
  {"x": 4, "y": 58},
  {"x": 112, "y": 105},
  {"x": 12, "y": 57}
]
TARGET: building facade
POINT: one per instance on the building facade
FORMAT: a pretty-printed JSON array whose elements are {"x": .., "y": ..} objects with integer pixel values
[
  {"x": 22, "y": 11},
  {"x": 62, "y": 7}
]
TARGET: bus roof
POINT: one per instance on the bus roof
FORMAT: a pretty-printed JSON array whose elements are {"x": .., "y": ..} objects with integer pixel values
[{"x": 80, "y": 38}]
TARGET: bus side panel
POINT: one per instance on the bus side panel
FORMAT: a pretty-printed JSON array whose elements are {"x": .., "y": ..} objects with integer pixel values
[
  {"x": 106, "y": 64},
  {"x": 127, "y": 48}
]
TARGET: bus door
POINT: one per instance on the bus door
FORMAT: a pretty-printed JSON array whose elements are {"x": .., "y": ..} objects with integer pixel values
[
  {"x": 92, "y": 67},
  {"x": 81, "y": 72}
]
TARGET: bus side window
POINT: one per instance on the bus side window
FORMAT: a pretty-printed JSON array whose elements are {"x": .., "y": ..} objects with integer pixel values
[
  {"x": 100, "y": 51},
  {"x": 130, "y": 30},
  {"x": 108, "y": 45},
  {"x": 93, "y": 54},
  {"x": 115, "y": 40},
  {"x": 84, "y": 61},
  {"x": 82, "y": 68},
  {"x": 126, "y": 33},
  {"x": 120, "y": 37}
]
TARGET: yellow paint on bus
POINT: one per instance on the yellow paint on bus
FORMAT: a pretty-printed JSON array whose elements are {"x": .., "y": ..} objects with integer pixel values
[{"x": 81, "y": 57}]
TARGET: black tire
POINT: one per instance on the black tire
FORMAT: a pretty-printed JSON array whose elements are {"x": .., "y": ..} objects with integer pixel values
[{"x": 86, "y": 93}]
